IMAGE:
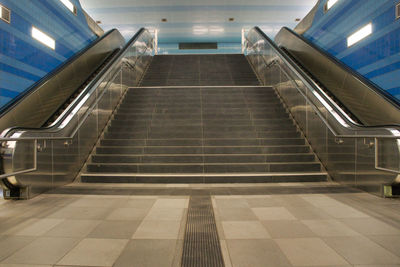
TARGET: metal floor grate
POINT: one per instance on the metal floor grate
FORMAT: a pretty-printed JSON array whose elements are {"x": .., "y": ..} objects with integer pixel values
[{"x": 201, "y": 245}]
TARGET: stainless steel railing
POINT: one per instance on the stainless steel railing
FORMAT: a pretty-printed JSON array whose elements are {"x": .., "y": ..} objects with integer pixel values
[
  {"x": 35, "y": 160},
  {"x": 328, "y": 128}
]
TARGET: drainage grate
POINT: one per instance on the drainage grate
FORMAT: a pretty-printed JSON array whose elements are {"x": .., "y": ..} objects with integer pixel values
[{"x": 201, "y": 247}]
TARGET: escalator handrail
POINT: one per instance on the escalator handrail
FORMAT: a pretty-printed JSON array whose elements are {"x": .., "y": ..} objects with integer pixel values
[
  {"x": 56, "y": 126},
  {"x": 366, "y": 82},
  {"x": 387, "y": 131},
  {"x": 9, "y": 106}
]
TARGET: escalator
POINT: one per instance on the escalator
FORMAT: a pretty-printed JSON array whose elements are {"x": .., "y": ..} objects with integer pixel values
[{"x": 265, "y": 116}]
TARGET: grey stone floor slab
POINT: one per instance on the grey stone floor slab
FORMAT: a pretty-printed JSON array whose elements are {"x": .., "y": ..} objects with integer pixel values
[
  {"x": 391, "y": 243},
  {"x": 256, "y": 253},
  {"x": 147, "y": 253},
  {"x": 287, "y": 229},
  {"x": 273, "y": 213},
  {"x": 34, "y": 227},
  {"x": 361, "y": 250},
  {"x": 244, "y": 230},
  {"x": 44, "y": 250},
  {"x": 157, "y": 230},
  {"x": 83, "y": 213},
  {"x": 238, "y": 214},
  {"x": 326, "y": 228},
  {"x": 130, "y": 214},
  {"x": 115, "y": 229},
  {"x": 10, "y": 244},
  {"x": 73, "y": 228},
  {"x": 95, "y": 252},
  {"x": 309, "y": 252},
  {"x": 371, "y": 226}
]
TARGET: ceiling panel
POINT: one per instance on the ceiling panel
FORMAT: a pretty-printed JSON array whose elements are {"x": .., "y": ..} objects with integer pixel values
[{"x": 189, "y": 20}]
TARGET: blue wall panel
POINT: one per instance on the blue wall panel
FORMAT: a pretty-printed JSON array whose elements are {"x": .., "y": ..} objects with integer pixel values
[
  {"x": 23, "y": 60},
  {"x": 377, "y": 56}
]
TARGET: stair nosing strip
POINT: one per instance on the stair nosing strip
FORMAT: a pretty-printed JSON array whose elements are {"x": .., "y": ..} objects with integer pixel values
[{"x": 207, "y": 174}]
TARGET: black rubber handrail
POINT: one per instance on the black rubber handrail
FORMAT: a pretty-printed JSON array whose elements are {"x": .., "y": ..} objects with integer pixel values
[
  {"x": 368, "y": 83},
  {"x": 10, "y": 105}
]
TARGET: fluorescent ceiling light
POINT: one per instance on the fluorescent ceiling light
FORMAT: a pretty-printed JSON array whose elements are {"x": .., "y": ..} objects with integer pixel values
[
  {"x": 359, "y": 35},
  {"x": 216, "y": 29},
  {"x": 43, "y": 38},
  {"x": 200, "y": 30},
  {"x": 69, "y": 5},
  {"x": 330, "y": 4}
]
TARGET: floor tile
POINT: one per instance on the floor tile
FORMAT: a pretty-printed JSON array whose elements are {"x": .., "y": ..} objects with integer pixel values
[
  {"x": 231, "y": 203},
  {"x": 256, "y": 253},
  {"x": 95, "y": 202},
  {"x": 95, "y": 252},
  {"x": 130, "y": 214},
  {"x": 44, "y": 250},
  {"x": 171, "y": 204},
  {"x": 238, "y": 214},
  {"x": 262, "y": 202},
  {"x": 290, "y": 201},
  {"x": 309, "y": 252},
  {"x": 147, "y": 253},
  {"x": 361, "y": 250},
  {"x": 73, "y": 228},
  {"x": 309, "y": 213},
  {"x": 326, "y": 228},
  {"x": 139, "y": 203},
  {"x": 344, "y": 211},
  {"x": 10, "y": 244},
  {"x": 244, "y": 230},
  {"x": 287, "y": 229},
  {"x": 34, "y": 227},
  {"x": 321, "y": 200},
  {"x": 115, "y": 229},
  {"x": 84, "y": 213},
  {"x": 157, "y": 230},
  {"x": 391, "y": 243},
  {"x": 273, "y": 213},
  {"x": 371, "y": 226},
  {"x": 165, "y": 214}
]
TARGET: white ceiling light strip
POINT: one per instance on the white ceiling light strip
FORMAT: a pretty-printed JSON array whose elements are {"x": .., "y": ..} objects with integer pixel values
[
  {"x": 69, "y": 5},
  {"x": 43, "y": 38},
  {"x": 359, "y": 35}
]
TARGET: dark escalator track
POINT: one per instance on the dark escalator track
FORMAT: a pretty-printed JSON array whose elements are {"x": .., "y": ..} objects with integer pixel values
[{"x": 201, "y": 119}]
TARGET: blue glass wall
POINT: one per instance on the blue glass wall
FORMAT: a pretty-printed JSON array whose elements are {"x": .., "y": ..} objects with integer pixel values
[
  {"x": 23, "y": 60},
  {"x": 377, "y": 57}
]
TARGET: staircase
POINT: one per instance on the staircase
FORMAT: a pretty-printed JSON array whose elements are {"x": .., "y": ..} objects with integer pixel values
[{"x": 209, "y": 134}]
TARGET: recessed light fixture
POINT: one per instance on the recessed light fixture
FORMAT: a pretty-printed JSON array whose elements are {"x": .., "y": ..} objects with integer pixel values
[
  {"x": 231, "y": 19},
  {"x": 199, "y": 30},
  {"x": 329, "y": 4},
  {"x": 5, "y": 14},
  {"x": 359, "y": 35},
  {"x": 216, "y": 29},
  {"x": 69, "y": 5},
  {"x": 164, "y": 20},
  {"x": 43, "y": 38}
]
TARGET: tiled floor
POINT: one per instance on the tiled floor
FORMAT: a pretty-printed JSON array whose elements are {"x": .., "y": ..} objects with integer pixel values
[{"x": 342, "y": 229}]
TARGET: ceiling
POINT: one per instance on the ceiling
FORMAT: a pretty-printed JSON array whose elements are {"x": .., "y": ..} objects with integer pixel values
[{"x": 197, "y": 21}]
